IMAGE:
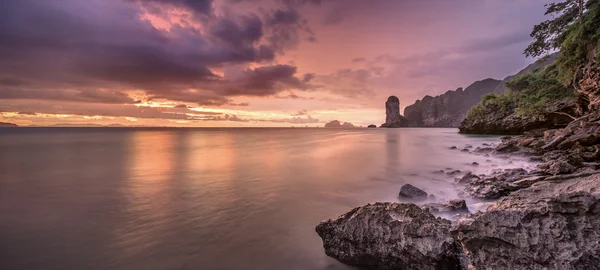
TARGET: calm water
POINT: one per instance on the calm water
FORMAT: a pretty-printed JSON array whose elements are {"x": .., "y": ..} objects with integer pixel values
[{"x": 77, "y": 198}]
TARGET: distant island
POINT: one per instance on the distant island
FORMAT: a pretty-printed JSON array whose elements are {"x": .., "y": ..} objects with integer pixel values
[
  {"x": 338, "y": 124},
  {"x": 5, "y": 124}
]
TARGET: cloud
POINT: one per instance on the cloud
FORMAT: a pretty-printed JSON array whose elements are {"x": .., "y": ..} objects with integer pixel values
[
  {"x": 301, "y": 112},
  {"x": 358, "y": 60},
  {"x": 94, "y": 51}
]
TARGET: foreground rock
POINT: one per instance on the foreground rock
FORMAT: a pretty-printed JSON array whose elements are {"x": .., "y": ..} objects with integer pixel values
[
  {"x": 551, "y": 225},
  {"x": 411, "y": 192},
  {"x": 393, "y": 119},
  {"x": 391, "y": 236}
]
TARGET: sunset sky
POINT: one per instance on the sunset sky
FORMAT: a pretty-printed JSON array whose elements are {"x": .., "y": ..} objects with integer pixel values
[{"x": 248, "y": 62}]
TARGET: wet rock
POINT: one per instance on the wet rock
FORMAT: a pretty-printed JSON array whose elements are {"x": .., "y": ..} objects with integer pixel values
[
  {"x": 483, "y": 150},
  {"x": 475, "y": 164},
  {"x": 465, "y": 150},
  {"x": 467, "y": 178},
  {"x": 468, "y": 146},
  {"x": 438, "y": 172},
  {"x": 412, "y": 192},
  {"x": 391, "y": 236},
  {"x": 496, "y": 185},
  {"x": 453, "y": 148},
  {"x": 551, "y": 225},
  {"x": 455, "y": 172},
  {"x": 452, "y": 206}
]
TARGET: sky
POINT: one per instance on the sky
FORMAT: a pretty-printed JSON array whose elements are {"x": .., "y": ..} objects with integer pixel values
[{"x": 214, "y": 63}]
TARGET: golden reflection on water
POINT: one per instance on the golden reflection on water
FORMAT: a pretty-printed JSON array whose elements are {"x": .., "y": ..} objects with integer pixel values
[{"x": 147, "y": 190}]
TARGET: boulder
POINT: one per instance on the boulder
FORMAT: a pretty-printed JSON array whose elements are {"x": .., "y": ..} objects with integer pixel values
[
  {"x": 551, "y": 225},
  {"x": 452, "y": 206},
  {"x": 391, "y": 236},
  {"x": 412, "y": 192}
]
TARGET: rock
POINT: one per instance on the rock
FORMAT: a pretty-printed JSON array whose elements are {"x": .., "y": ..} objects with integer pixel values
[
  {"x": 560, "y": 167},
  {"x": 507, "y": 120},
  {"x": 465, "y": 150},
  {"x": 391, "y": 236},
  {"x": 393, "y": 119},
  {"x": 483, "y": 150},
  {"x": 467, "y": 178},
  {"x": 412, "y": 192},
  {"x": 468, "y": 146},
  {"x": 453, "y": 147},
  {"x": 475, "y": 164},
  {"x": 450, "y": 108},
  {"x": 372, "y": 126},
  {"x": 438, "y": 172},
  {"x": 496, "y": 185},
  {"x": 551, "y": 225},
  {"x": 452, "y": 206},
  {"x": 455, "y": 172}
]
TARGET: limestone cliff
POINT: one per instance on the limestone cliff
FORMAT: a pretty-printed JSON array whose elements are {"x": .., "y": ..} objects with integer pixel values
[
  {"x": 393, "y": 119},
  {"x": 450, "y": 108}
]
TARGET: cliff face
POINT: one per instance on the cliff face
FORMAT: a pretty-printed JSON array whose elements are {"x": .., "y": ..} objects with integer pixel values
[
  {"x": 393, "y": 119},
  {"x": 450, "y": 108}
]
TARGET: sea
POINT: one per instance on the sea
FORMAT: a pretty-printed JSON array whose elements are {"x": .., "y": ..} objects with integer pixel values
[{"x": 208, "y": 198}]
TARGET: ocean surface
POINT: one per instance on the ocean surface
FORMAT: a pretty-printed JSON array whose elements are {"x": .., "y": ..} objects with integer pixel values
[{"x": 119, "y": 198}]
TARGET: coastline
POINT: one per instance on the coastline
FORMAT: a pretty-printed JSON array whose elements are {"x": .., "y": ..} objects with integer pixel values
[{"x": 537, "y": 218}]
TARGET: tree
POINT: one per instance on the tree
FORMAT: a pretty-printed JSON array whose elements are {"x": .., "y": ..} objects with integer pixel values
[{"x": 550, "y": 34}]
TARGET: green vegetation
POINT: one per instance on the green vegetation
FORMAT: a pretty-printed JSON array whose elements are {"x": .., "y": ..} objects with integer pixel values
[
  {"x": 527, "y": 94},
  {"x": 574, "y": 30}
]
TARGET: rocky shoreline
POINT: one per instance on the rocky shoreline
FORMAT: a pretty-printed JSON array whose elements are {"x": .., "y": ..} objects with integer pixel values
[{"x": 546, "y": 217}]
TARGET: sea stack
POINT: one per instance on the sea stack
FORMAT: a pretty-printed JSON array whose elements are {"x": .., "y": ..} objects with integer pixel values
[{"x": 393, "y": 119}]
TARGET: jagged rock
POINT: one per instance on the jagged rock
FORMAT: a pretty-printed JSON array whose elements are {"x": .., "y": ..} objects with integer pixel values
[
  {"x": 450, "y": 108},
  {"x": 412, "y": 192},
  {"x": 496, "y": 185},
  {"x": 452, "y": 206},
  {"x": 393, "y": 119},
  {"x": 551, "y": 225},
  {"x": 467, "y": 178},
  {"x": 391, "y": 236}
]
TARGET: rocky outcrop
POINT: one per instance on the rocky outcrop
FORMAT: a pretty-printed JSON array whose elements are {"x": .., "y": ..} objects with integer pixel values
[
  {"x": 393, "y": 119},
  {"x": 338, "y": 124},
  {"x": 551, "y": 225},
  {"x": 450, "y": 108},
  {"x": 391, "y": 236},
  {"x": 505, "y": 121}
]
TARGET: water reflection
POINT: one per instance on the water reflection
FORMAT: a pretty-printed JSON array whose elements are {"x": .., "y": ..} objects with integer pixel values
[{"x": 202, "y": 199}]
